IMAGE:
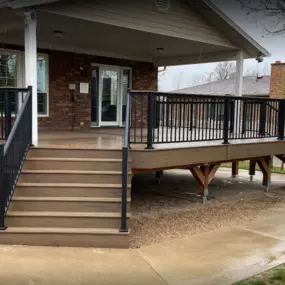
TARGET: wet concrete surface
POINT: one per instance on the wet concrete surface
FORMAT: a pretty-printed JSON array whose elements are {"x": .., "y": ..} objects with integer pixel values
[
  {"x": 219, "y": 257},
  {"x": 215, "y": 258}
]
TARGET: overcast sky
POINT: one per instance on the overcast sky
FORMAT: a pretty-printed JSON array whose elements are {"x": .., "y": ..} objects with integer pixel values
[{"x": 177, "y": 77}]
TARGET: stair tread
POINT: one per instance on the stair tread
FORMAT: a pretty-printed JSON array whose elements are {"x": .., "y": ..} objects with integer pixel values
[
  {"x": 64, "y": 147},
  {"x": 69, "y": 199},
  {"x": 101, "y": 172},
  {"x": 48, "y": 230},
  {"x": 74, "y": 159},
  {"x": 71, "y": 185},
  {"x": 64, "y": 214}
]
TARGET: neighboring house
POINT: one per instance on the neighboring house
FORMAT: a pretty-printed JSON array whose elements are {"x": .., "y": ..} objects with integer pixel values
[
  {"x": 252, "y": 86},
  {"x": 79, "y": 59}
]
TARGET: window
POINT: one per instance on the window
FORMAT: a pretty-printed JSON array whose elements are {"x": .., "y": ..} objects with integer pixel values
[
  {"x": 10, "y": 64},
  {"x": 8, "y": 77},
  {"x": 42, "y": 84}
]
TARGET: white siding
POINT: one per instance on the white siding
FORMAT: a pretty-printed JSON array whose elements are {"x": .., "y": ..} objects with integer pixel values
[{"x": 179, "y": 21}]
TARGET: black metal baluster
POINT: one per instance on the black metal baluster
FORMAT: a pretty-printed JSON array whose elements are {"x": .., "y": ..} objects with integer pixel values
[
  {"x": 226, "y": 121},
  {"x": 150, "y": 121}
]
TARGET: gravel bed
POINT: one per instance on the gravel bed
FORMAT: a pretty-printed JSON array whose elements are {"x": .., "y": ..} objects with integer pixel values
[{"x": 167, "y": 211}]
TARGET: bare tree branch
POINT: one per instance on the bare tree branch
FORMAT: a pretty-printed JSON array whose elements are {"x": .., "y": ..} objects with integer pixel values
[{"x": 273, "y": 9}]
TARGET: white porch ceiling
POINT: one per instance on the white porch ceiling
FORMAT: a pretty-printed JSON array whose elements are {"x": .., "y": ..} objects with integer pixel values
[{"x": 101, "y": 39}]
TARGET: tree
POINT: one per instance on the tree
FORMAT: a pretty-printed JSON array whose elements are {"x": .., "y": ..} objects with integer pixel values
[
  {"x": 273, "y": 9},
  {"x": 198, "y": 80},
  {"x": 223, "y": 70}
]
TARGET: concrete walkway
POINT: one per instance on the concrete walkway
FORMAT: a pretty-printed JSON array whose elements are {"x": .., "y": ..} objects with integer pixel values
[{"x": 215, "y": 258}]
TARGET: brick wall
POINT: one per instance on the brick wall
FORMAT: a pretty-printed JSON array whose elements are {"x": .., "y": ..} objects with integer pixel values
[
  {"x": 66, "y": 68},
  {"x": 277, "y": 81}
]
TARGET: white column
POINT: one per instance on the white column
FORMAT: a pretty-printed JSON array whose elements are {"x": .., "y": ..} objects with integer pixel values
[
  {"x": 238, "y": 90},
  {"x": 239, "y": 73},
  {"x": 31, "y": 67}
]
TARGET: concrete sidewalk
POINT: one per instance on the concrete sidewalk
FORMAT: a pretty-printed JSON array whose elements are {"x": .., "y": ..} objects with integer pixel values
[{"x": 215, "y": 258}]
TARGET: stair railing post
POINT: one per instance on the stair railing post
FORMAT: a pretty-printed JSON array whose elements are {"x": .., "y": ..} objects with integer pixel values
[
  {"x": 281, "y": 120},
  {"x": 2, "y": 189},
  {"x": 125, "y": 170}
]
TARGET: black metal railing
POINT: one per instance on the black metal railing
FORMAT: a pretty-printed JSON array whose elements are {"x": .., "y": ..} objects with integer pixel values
[
  {"x": 125, "y": 169},
  {"x": 13, "y": 152},
  {"x": 11, "y": 100},
  {"x": 158, "y": 117}
]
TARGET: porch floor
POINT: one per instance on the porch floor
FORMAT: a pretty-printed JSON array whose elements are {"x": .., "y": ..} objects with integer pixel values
[
  {"x": 93, "y": 139},
  {"x": 112, "y": 138}
]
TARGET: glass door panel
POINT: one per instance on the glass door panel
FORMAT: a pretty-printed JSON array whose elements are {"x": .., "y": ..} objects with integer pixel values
[{"x": 109, "y": 96}]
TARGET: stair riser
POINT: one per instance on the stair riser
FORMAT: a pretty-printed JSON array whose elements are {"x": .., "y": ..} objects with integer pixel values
[
  {"x": 69, "y": 192},
  {"x": 63, "y": 222},
  {"x": 70, "y": 178},
  {"x": 72, "y": 165},
  {"x": 72, "y": 240},
  {"x": 77, "y": 153},
  {"x": 61, "y": 206}
]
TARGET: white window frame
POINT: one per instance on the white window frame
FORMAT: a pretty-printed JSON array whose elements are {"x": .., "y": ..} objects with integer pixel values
[{"x": 46, "y": 57}]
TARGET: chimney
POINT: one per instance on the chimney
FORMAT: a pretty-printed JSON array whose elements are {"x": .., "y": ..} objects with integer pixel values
[{"x": 277, "y": 80}]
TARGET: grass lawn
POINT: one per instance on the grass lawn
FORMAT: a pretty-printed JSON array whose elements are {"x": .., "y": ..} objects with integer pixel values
[
  {"x": 275, "y": 276},
  {"x": 245, "y": 165}
]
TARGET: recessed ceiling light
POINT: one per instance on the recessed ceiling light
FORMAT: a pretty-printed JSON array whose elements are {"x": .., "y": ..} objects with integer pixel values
[
  {"x": 160, "y": 49},
  {"x": 58, "y": 34}
]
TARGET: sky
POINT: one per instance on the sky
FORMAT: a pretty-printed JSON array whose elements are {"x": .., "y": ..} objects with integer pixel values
[{"x": 177, "y": 77}]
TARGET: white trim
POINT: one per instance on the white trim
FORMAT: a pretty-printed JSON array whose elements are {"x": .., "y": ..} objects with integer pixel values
[{"x": 196, "y": 59}]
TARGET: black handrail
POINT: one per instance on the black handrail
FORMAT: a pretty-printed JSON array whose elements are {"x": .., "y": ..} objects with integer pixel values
[
  {"x": 13, "y": 153},
  {"x": 125, "y": 170},
  {"x": 160, "y": 117}
]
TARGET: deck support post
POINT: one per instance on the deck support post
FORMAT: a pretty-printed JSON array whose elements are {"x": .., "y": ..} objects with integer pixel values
[
  {"x": 265, "y": 165},
  {"x": 31, "y": 67},
  {"x": 252, "y": 166},
  {"x": 203, "y": 176},
  {"x": 158, "y": 175},
  {"x": 235, "y": 169}
]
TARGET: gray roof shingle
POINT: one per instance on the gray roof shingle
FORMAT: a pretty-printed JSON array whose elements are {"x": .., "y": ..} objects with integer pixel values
[{"x": 251, "y": 87}]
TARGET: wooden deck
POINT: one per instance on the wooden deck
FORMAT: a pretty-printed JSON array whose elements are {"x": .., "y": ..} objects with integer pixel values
[{"x": 164, "y": 156}]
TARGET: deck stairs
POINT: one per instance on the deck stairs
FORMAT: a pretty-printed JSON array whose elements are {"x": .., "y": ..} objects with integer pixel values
[{"x": 68, "y": 197}]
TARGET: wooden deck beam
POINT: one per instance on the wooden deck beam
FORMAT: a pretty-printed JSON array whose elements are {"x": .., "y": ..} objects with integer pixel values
[
  {"x": 204, "y": 174},
  {"x": 281, "y": 157},
  {"x": 265, "y": 165}
]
